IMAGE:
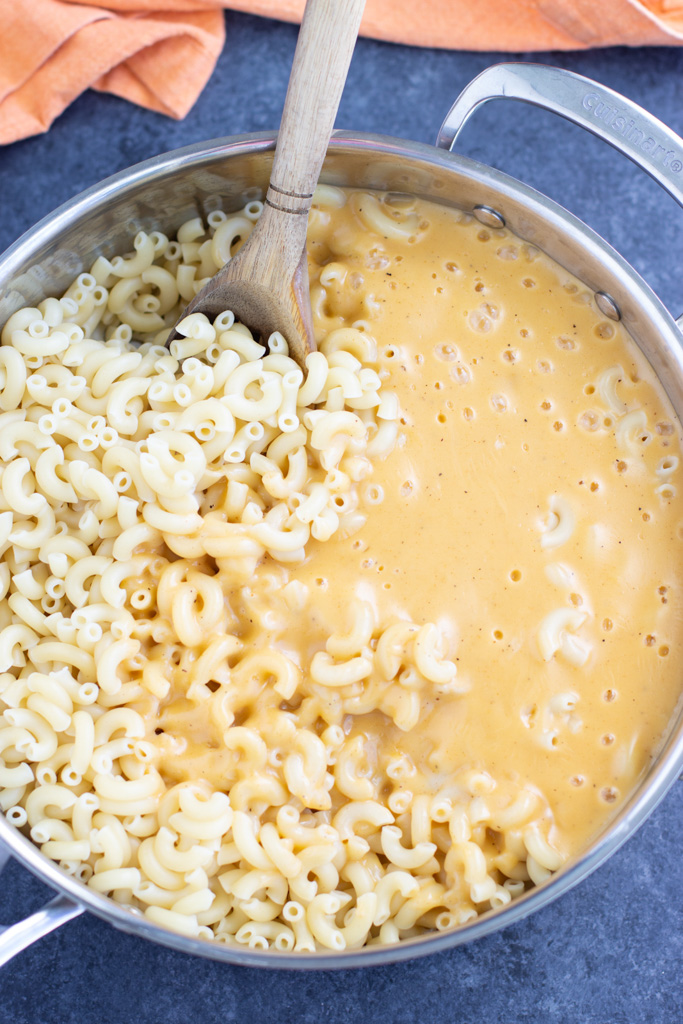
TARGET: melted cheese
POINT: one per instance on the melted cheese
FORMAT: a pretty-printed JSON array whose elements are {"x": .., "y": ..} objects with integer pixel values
[{"x": 521, "y": 510}]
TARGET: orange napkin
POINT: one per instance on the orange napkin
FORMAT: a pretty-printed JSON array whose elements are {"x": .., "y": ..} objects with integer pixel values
[{"x": 160, "y": 53}]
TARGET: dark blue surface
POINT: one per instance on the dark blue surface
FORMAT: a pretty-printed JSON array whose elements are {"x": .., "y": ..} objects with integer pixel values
[{"x": 611, "y": 950}]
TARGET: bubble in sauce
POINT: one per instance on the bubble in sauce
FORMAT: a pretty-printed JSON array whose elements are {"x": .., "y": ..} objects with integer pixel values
[
  {"x": 483, "y": 317},
  {"x": 461, "y": 374},
  {"x": 480, "y": 322},
  {"x": 446, "y": 351},
  {"x": 605, "y": 331},
  {"x": 666, "y": 491},
  {"x": 379, "y": 262}
]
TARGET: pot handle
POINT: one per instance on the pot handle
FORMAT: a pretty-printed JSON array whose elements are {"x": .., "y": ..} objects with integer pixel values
[
  {"x": 605, "y": 113},
  {"x": 20, "y": 936}
]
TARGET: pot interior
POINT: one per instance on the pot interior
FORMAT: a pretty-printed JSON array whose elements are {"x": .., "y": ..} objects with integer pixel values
[{"x": 170, "y": 189}]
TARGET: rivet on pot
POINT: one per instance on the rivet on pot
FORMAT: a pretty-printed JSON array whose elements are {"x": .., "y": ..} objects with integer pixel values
[
  {"x": 607, "y": 306},
  {"x": 490, "y": 217}
]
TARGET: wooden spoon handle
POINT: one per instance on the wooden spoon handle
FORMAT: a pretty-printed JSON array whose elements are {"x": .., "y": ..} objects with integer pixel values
[{"x": 321, "y": 62}]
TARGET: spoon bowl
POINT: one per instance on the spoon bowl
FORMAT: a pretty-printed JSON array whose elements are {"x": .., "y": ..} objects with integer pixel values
[{"x": 266, "y": 283}]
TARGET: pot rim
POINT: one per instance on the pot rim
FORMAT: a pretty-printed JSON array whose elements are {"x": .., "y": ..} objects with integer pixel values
[{"x": 667, "y": 761}]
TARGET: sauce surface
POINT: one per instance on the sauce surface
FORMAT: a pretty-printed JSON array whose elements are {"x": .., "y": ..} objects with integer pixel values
[
  {"x": 529, "y": 509},
  {"x": 317, "y": 663}
]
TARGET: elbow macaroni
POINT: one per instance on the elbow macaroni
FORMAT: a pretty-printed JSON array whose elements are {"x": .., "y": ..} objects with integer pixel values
[{"x": 154, "y": 505}]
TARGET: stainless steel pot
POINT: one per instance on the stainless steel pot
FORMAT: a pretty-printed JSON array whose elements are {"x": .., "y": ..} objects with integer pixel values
[{"x": 230, "y": 172}]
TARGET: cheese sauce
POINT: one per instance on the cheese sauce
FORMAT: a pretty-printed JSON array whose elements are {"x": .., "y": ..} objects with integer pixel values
[{"x": 529, "y": 509}]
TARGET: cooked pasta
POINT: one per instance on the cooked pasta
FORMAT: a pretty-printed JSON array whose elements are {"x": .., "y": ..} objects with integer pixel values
[{"x": 214, "y": 708}]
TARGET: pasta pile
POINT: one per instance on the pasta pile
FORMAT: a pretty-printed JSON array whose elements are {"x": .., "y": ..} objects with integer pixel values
[{"x": 151, "y": 504}]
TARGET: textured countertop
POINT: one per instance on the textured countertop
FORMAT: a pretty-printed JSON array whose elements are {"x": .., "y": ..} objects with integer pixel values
[{"x": 610, "y": 950}]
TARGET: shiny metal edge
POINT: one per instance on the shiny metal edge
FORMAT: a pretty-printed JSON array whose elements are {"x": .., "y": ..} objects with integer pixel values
[
  {"x": 668, "y": 762},
  {"x": 18, "y": 937},
  {"x": 589, "y": 104}
]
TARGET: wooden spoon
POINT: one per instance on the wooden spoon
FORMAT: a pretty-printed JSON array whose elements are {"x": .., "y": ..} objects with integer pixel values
[{"x": 266, "y": 283}]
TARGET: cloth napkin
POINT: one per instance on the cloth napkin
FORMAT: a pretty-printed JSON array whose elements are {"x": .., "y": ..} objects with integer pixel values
[{"x": 160, "y": 53}]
